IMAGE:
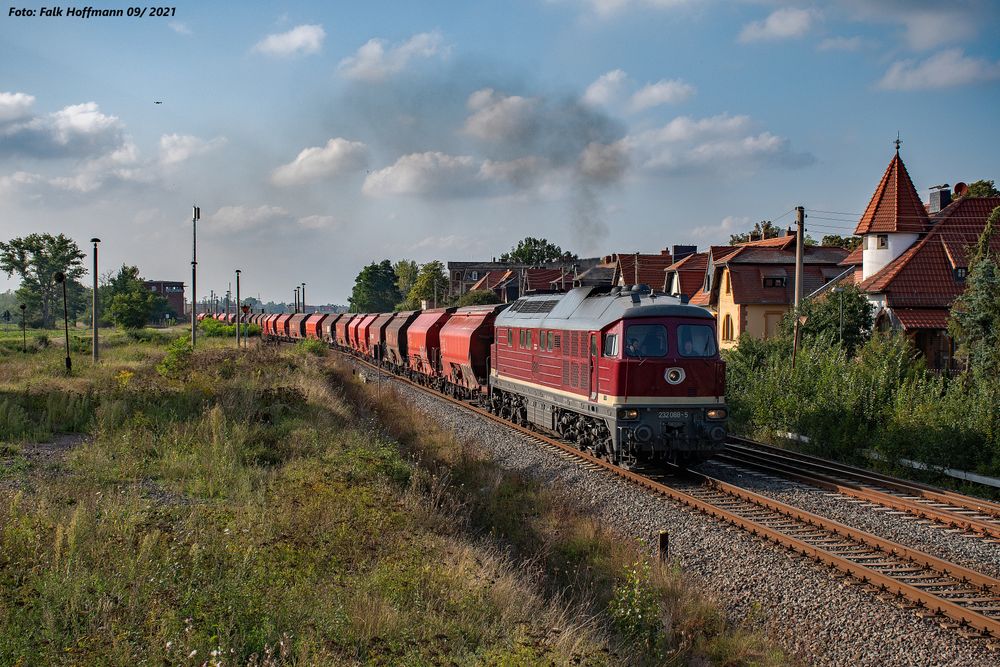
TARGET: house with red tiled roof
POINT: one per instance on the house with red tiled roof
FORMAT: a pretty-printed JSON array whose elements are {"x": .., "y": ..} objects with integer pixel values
[
  {"x": 751, "y": 286},
  {"x": 641, "y": 269},
  {"x": 685, "y": 277},
  {"x": 914, "y": 258}
]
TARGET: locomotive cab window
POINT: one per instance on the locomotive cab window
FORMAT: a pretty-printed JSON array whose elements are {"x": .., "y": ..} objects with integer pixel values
[
  {"x": 551, "y": 342},
  {"x": 695, "y": 340},
  {"x": 645, "y": 340},
  {"x": 611, "y": 345}
]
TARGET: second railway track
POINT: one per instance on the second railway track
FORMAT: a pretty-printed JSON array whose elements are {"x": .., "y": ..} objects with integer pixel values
[
  {"x": 945, "y": 508},
  {"x": 969, "y": 600}
]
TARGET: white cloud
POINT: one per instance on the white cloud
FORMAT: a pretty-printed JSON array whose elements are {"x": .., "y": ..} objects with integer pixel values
[
  {"x": 439, "y": 175},
  {"x": 673, "y": 91},
  {"x": 498, "y": 117},
  {"x": 78, "y": 130},
  {"x": 449, "y": 242},
  {"x": 610, "y": 7},
  {"x": 312, "y": 164},
  {"x": 431, "y": 173},
  {"x": 300, "y": 40},
  {"x": 15, "y": 106},
  {"x": 785, "y": 23},
  {"x": 375, "y": 62},
  {"x": 319, "y": 222},
  {"x": 946, "y": 69},
  {"x": 606, "y": 89},
  {"x": 721, "y": 144},
  {"x": 175, "y": 148},
  {"x": 930, "y": 28},
  {"x": 609, "y": 89},
  {"x": 179, "y": 28},
  {"x": 731, "y": 224},
  {"x": 246, "y": 219}
]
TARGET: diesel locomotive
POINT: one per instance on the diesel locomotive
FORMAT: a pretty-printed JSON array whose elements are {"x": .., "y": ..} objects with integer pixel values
[{"x": 625, "y": 373}]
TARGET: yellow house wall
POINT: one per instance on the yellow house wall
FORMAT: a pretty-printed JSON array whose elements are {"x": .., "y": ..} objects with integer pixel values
[
  {"x": 756, "y": 316},
  {"x": 747, "y": 318},
  {"x": 728, "y": 307}
]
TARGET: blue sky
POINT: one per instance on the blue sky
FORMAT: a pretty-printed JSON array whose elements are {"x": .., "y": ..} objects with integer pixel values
[{"x": 319, "y": 136}]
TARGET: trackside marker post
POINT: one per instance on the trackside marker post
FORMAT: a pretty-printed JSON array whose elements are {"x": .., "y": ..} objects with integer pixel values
[{"x": 663, "y": 546}]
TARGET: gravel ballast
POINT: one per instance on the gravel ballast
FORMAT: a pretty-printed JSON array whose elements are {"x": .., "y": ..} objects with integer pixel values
[{"x": 821, "y": 618}]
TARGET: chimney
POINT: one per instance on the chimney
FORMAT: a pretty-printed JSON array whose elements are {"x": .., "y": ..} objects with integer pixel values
[
  {"x": 940, "y": 197},
  {"x": 682, "y": 251}
]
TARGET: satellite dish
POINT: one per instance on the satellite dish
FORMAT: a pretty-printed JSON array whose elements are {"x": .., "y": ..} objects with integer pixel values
[{"x": 961, "y": 189}]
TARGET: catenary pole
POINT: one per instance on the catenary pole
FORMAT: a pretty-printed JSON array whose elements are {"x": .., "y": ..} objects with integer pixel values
[{"x": 800, "y": 221}]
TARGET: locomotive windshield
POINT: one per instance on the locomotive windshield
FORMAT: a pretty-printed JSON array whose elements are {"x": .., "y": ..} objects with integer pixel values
[
  {"x": 695, "y": 340},
  {"x": 646, "y": 340}
]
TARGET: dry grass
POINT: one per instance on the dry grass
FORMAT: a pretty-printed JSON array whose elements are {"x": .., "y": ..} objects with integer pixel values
[{"x": 593, "y": 580}]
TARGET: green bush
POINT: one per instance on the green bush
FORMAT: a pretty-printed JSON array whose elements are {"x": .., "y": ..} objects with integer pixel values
[
  {"x": 177, "y": 361},
  {"x": 312, "y": 346},
  {"x": 212, "y": 328},
  {"x": 883, "y": 399}
]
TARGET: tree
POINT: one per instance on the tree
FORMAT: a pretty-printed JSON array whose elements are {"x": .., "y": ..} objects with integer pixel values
[
  {"x": 823, "y": 318},
  {"x": 764, "y": 229},
  {"x": 983, "y": 188},
  {"x": 534, "y": 251},
  {"x": 478, "y": 297},
  {"x": 375, "y": 289},
  {"x": 975, "y": 316},
  {"x": 406, "y": 274},
  {"x": 431, "y": 286},
  {"x": 837, "y": 241},
  {"x": 130, "y": 303},
  {"x": 36, "y": 258}
]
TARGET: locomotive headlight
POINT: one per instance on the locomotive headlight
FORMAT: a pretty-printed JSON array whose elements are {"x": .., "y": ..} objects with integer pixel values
[
  {"x": 630, "y": 413},
  {"x": 716, "y": 413},
  {"x": 674, "y": 375}
]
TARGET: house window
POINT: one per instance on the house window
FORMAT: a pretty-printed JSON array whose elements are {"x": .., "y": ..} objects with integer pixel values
[
  {"x": 474, "y": 275},
  {"x": 775, "y": 282},
  {"x": 729, "y": 288},
  {"x": 960, "y": 274},
  {"x": 882, "y": 240},
  {"x": 727, "y": 327}
]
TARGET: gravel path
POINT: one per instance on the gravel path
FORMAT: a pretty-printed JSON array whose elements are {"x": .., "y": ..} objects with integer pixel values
[
  {"x": 820, "y": 618},
  {"x": 953, "y": 545}
]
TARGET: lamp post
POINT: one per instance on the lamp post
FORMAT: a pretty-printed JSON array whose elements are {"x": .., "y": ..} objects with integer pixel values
[
  {"x": 60, "y": 277},
  {"x": 93, "y": 305},
  {"x": 24, "y": 331},
  {"x": 304, "y": 298},
  {"x": 239, "y": 315},
  {"x": 195, "y": 216}
]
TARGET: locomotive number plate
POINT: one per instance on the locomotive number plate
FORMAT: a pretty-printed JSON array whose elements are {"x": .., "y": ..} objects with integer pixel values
[{"x": 673, "y": 414}]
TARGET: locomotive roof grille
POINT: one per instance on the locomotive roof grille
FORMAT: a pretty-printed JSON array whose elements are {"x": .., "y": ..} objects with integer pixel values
[{"x": 545, "y": 306}]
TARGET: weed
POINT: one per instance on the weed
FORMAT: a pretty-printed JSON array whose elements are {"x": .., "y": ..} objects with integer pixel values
[{"x": 177, "y": 361}]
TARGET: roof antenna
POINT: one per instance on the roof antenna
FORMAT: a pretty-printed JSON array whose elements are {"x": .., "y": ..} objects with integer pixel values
[{"x": 897, "y": 142}]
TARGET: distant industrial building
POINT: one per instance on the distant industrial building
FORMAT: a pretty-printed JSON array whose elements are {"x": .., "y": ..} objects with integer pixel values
[{"x": 172, "y": 291}]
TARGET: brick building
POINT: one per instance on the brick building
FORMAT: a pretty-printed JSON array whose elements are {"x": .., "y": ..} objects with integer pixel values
[{"x": 172, "y": 291}]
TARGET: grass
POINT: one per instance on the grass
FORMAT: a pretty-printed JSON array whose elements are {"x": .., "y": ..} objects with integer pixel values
[
  {"x": 647, "y": 610},
  {"x": 233, "y": 509}
]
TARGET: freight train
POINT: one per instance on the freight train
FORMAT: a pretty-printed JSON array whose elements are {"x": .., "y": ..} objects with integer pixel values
[{"x": 624, "y": 373}]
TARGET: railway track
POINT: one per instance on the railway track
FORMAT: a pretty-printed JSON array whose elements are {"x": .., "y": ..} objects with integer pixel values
[
  {"x": 945, "y": 508},
  {"x": 959, "y": 598}
]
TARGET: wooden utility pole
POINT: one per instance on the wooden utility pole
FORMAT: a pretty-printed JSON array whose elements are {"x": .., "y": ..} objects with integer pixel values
[
  {"x": 93, "y": 305},
  {"x": 800, "y": 222},
  {"x": 195, "y": 216}
]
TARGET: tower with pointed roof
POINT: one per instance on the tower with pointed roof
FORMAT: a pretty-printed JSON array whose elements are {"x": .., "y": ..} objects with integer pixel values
[{"x": 894, "y": 219}]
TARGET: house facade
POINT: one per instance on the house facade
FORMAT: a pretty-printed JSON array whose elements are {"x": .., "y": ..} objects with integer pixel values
[{"x": 914, "y": 261}]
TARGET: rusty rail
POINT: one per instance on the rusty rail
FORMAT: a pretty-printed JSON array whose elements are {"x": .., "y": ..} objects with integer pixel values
[{"x": 844, "y": 480}]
